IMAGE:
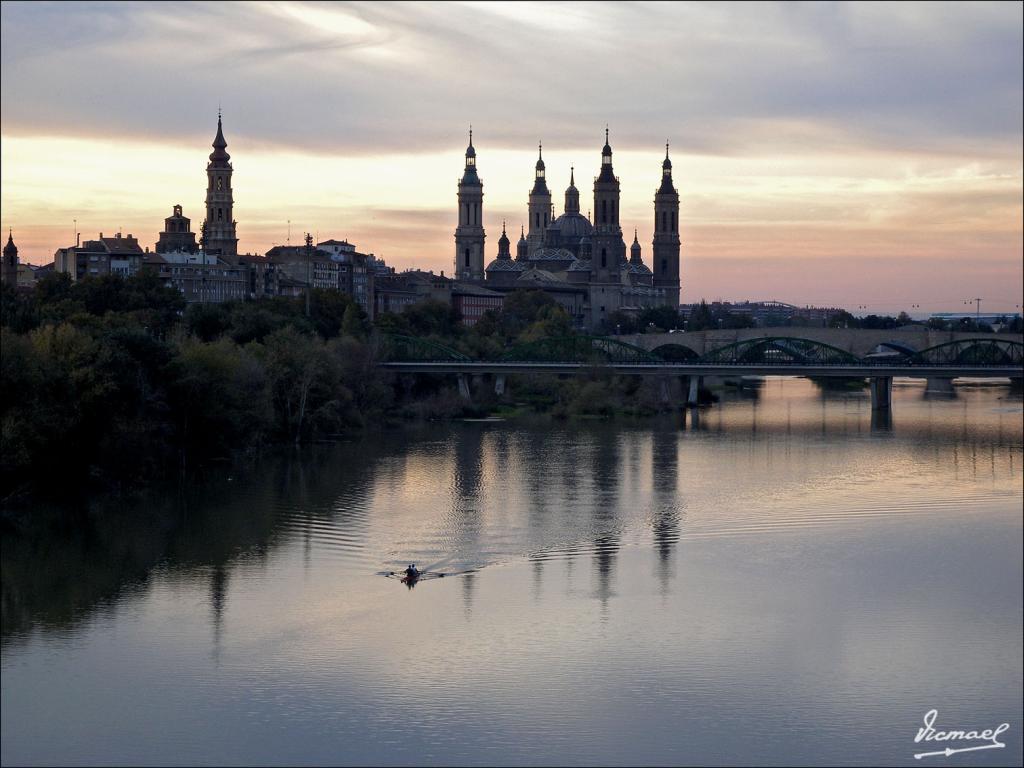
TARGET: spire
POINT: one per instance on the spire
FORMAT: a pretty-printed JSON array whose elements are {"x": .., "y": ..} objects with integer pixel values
[
  {"x": 219, "y": 144},
  {"x": 635, "y": 241},
  {"x": 503, "y": 252},
  {"x": 572, "y": 195},
  {"x": 634, "y": 250},
  {"x": 666, "y": 175},
  {"x": 606, "y": 160},
  {"x": 470, "y": 151},
  {"x": 10, "y": 249}
]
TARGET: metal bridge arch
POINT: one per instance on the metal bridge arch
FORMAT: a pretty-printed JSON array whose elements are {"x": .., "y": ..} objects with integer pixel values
[
  {"x": 579, "y": 349},
  {"x": 898, "y": 346},
  {"x": 676, "y": 353},
  {"x": 409, "y": 349},
  {"x": 972, "y": 352},
  {"x": 780, "y": 350}
]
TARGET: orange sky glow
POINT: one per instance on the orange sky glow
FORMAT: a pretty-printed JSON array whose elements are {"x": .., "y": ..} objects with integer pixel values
[{"x": 888, "y": 202}]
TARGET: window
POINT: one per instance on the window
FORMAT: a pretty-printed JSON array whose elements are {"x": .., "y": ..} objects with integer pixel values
[
  {"x": 545, "y": 219},
  {"x": 664, "y": 221},
  {"x": 673, "y": 221},
  {"x": 467, "y": 255},
  {"x": 604, "y": 258},
  {"x": 220, "y": 214},
  {"x": 220, "y": 183},
  {"x": 664, "y": 266},
  {"x": 536, "y": 218},
  {"x": 604, "y": 211}
]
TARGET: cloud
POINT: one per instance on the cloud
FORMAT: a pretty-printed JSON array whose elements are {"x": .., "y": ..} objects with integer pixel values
[
  {"x": 367, "y": 77},
  {"x": 858, "y": 138}
]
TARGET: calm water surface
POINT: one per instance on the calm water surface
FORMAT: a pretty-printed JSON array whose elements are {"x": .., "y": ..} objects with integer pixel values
[{"x": 783, "y": 582}]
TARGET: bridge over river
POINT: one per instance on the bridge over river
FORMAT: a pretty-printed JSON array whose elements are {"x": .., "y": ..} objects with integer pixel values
[{"x": 882, "y": 358}]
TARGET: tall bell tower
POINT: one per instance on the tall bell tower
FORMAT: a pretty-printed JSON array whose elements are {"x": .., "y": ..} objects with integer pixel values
[
  {"x": 666, "y": 235},
  {"x": 539, "y": 208},
  {"x": 469, "y": 235},
  {"x": 608, "y": 246},
  {"x": 219, "y": 237}
]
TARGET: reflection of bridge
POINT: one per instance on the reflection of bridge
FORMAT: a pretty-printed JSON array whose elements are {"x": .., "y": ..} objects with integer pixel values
[{"x": 987, "y": 356}]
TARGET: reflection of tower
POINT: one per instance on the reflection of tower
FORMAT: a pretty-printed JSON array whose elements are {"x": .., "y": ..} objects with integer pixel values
[
  {"x": 466, "y": 499},
  {"x": 606, "y": 539},
  {"x": 469, "y": 235},
  {"x": 218, "y": 599},
  {"x": 219, "y": 236},
  {"x": 665, "y": 518},
  {"x": 666, "y": 235}
]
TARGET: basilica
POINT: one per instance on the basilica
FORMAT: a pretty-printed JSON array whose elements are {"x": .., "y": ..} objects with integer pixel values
[{"x": 581, "y": 262}]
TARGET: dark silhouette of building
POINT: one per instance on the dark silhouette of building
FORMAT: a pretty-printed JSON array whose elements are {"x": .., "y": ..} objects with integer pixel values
[
  {"x": 469, "y": 235},
  {"x": 666, "y": 235},
  {"x": 177, "y": 234},
  {"x": 9, "y": 272},
  {"x": 218, "y": 236}
]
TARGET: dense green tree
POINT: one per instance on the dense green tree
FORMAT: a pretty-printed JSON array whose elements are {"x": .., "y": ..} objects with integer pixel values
[
  {"x": 662, "y": 318},
  {"x": 700, "y": 318},
  {"x": 432, "y": 318}
]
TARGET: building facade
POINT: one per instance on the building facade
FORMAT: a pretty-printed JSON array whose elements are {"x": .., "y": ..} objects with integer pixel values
[
  {"x": 469, "y": 235},
  {"x": 581, "y": 262},
  {"x": 104, "y": 256},
  {"x": 177, "y": 234}
]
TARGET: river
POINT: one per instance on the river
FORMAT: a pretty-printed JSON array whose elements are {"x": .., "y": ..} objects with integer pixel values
[{"x": 782, "y": 580}]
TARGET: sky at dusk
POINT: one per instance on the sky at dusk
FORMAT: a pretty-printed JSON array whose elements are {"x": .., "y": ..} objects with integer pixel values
[{"x": 837, "y": 154}]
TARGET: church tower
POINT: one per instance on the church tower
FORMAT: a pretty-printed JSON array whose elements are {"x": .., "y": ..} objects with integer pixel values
[
  {"x": 608, "y": 247},
  {"x": 219, "y": 236},
  {"x": 539, "y": 215},
  {"x": 469, "y": 235},
  {"x": 666, "y": 235},
  {"x": 9, "y": 272},
  {"x": 522, "y": 247}
]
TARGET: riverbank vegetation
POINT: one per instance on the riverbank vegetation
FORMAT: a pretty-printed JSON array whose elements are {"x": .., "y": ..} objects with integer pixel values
[{"x": 116, "y": 383}]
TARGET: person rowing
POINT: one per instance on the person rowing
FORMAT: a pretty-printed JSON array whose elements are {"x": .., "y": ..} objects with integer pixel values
[{"x": 412, "y": 573}]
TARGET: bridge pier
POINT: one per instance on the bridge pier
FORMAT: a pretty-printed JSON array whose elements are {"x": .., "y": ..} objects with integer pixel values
[
  {"x": 881, "y": 421},
  {"x": 1017, "y": 385},
  {"x": 464, "y": 386},
  {"x": 881, "y": 393},
  {"x": 939, "y": 385},
  {"x": 499, "y": 384},
  {"x": 665, "y": 389},
  {"x": 696, "y": 382}
]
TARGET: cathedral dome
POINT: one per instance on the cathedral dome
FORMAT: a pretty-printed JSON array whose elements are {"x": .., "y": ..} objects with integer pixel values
[
  {"x": 572, "y": 225},
  {"x": 506, "y": 265},
  {"x": 552, "y": 254}
]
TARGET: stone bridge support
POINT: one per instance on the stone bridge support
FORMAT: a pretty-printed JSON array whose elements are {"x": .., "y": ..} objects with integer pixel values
[
  {"x": 881, "y": 393},
  {"x": 693, "y": 390},
  {"x": 464, "y": 386},
  {"x": 939, "y": 386},
  {"x": 499, "y": 384}
]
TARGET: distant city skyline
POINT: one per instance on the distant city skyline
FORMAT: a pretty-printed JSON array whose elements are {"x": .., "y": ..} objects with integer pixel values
[{"x": 854, "y": 155}]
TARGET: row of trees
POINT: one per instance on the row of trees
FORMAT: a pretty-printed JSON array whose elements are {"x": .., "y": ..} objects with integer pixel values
[{"x": 116, "y": 381}]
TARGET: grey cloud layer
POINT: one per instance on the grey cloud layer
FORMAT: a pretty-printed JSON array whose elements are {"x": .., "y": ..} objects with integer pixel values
[{"x": 378, "y": 77}]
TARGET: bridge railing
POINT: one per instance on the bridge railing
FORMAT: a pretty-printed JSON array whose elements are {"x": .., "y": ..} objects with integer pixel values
[{"x": 774, "y": 352}]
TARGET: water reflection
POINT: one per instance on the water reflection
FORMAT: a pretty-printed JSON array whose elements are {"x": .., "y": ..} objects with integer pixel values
[{"x": 786, "y": 546}]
